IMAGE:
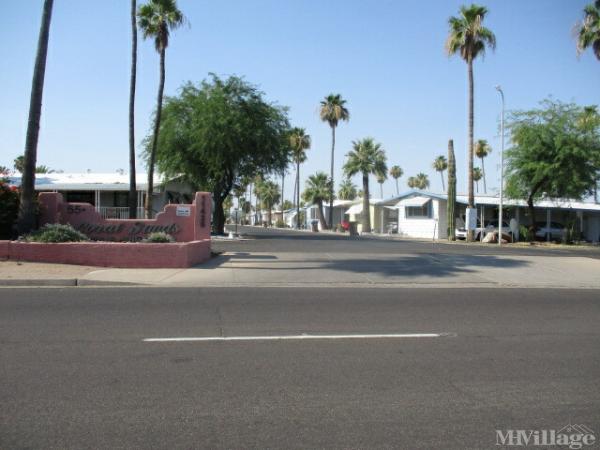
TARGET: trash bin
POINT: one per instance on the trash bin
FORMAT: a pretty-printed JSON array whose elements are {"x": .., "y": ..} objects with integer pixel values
[
  {"x": 352, "y": 229},
  {"x": 315, "y": 225}
]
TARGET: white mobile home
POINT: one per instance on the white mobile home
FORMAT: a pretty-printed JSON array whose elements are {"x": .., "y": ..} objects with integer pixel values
[{"x": 422, "y": 214}]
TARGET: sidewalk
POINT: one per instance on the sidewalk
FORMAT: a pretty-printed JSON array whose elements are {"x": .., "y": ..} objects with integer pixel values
[{"x": 326, "y": 270}]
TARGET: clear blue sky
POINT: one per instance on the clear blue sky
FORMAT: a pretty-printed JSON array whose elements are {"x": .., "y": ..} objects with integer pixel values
[{"x": 386, "y": 57}]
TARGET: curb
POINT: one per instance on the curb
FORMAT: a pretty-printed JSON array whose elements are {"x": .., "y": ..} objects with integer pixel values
[
  {"x": 57, "y": 282},
  {"x": 62, "y": 282}
]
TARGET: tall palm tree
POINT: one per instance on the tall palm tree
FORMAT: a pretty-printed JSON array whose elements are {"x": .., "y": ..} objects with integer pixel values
[
  {"x": 422, "y": 181},
  {"x": 156, "y": 19},
  {"x": 477, "y": 175},
  {"x": 132, "y": 200},
  {"x": 412, "y": 182},
  {"x": 26, "y": 219},
  {"x": 347, "y": 190},
  {"x": 269, "y": 195},
  {"x": 482, "y": 150},
  {"x": 381, "y": 179},
  {"x": 333, "y": 110},
  {"x": 299, "y": 142},
  {"x": 366, "y": 157},
  {"x": 396, "y": 172},
  {"x": 588, "y": 30},
  {"x": 317, "y": 191},
  {"x": 440, "y": 164},
  {"x": 469, "y": 38}
]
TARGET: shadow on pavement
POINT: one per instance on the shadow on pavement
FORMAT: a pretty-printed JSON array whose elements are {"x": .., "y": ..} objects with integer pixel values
[{"x": 429, "y": 264}]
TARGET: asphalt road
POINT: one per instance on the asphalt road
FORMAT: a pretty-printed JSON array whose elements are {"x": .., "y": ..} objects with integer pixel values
[
  {"x": 286, "y": 241},
  {"x": 76, "y": 373}
]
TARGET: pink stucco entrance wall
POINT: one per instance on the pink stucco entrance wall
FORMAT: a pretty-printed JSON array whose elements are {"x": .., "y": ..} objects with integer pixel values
[{"x": 188, "y": 224}]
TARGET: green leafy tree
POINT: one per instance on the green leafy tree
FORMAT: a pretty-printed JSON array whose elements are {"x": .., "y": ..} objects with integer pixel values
[
  {"x": 588, "y": 30},
  {"x": 469, "y": 38},
  {"x": 552, "y": 155},
  {"x": 412, "y": 182},
  {"x": 287, "y": 205},
  {"x": 333, "y": 109},
  {"x": 317, "y": 191},
  {"x": 482, "y": 150},
  {"x": 366, "y": 157},
  {"x": 396, "y": 172},
  {"x": 477, "y": 175},
  {"x": 132, "y": 197},
  {"x": 299, "y": 143},
  {"x": 347, "y": 190},
  {"x": 219, "y": 133},
  {"x": 440, "y": 164},
  {"x": 26, "y": 219},
  {"x": 156, "y": 19}
]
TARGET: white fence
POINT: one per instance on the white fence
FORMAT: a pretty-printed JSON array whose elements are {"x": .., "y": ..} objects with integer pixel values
[{"x": 113, "y": 212}]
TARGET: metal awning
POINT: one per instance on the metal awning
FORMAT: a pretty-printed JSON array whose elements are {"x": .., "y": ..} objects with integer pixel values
[
  {"x": 413, "y": 201},
  {"x": 355, "y": 209}
]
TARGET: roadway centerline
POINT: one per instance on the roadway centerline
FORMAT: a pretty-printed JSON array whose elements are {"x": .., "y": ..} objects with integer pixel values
[{"x": 299, "y": 337}]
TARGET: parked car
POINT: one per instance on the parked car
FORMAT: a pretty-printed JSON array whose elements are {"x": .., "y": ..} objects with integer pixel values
[
  {"x": 461, "y": 232},
  {"x": 492, "y": 226},
  {"x": 556, "y": 231}
]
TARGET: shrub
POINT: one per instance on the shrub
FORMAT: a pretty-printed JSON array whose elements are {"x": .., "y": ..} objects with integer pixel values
[
  {"x": 9, "y": 208},
  {"x": 159, "y": 237},
  {"x": 55, "y": 232},
  {"x": 524, "y": 233},
  {"x": 280, "y": 224}
]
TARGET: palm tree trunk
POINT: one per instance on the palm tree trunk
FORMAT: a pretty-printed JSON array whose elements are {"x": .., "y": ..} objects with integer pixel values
[
  {"x": 470, "y": 150},
  {"x": 366, "y": 212},
  {"x": 161, "y": 87},
  {"x": 270, "y": 213},
  {"x": 397, "y": 188},
  {"x": 282, "y": 184},
  {"x": 443, "y": 185},
  {"x": 483, "y": 171},
  {"x": 132, "y": 80},
  {"x": 331, "y": 188},
  {"x": 320, "y": 214},
  {"x": 26, "y": 219},
  {"x": 298, "y": 194}
]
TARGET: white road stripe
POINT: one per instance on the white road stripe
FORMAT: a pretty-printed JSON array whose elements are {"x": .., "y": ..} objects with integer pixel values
[{"x": 296, "y": 337}]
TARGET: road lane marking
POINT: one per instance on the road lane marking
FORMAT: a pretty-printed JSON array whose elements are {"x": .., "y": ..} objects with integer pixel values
[{"x": 298, "y": 337}]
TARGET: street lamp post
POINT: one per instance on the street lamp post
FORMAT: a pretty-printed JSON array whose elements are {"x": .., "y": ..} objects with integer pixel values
[{"x": 499, "y": 89}]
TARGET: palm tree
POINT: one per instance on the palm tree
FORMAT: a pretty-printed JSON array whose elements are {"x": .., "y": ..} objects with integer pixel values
[
  {"x": 333, "y": 110},
  {"x": 412, "y": 182},
  {"x": 26, "y": 219},
  {"x": 269, "y": 195},
  {"x": 366, "y": 157},
  {"x": 156, "y": 19},
  {"x": 381, "y": 179},
  {"x": 422, "y": 181},
  {"x": 440, "y": 164},
  {"x": 588, "y": 30},
  {"x": 299, "y": 142},
  {"x": 482, "y": 150},
  {"x": 347, "y": 190},
  {"x": 317, "y": 190},
  {"x": 469, "y": 38},
  {"x": 396, "y": 172},
  {"x": 132, "y": 200},
  {"x": 477, "y": 175}
]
